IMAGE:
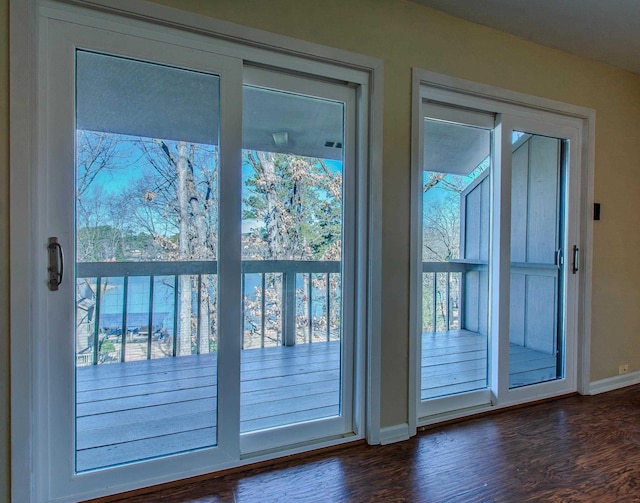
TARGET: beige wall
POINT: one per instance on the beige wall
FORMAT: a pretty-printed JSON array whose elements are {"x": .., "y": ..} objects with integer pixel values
[{"x": 404, "y": 35}]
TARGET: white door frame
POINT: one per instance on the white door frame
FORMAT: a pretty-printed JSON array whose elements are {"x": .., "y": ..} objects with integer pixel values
[{"x": 573, "y": 122}]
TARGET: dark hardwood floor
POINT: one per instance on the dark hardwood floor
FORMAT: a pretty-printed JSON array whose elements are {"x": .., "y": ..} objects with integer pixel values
[{"x": 576, "y": 449}]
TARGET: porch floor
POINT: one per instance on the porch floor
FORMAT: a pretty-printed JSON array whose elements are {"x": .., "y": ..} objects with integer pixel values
[
  {"x": 144, "y": 409},
  {"x": 138, "y": 410},
  {"x": 456, "y": 362}
]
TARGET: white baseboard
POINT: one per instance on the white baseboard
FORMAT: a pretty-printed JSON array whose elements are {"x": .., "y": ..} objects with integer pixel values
[
  {"x": 615, "y": 382},
  {"x": 396, "y": 433}
]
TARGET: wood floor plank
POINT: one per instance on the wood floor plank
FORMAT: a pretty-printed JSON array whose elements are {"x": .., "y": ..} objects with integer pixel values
[
  {"x": 453, "y": 378},
  {"x": 276, "y": 353},
  {"x": 318, "y": 351},
  {"x": 292, "y": 380},
  {"x": 441, "y": 377},
  {"x": 532, "y": 377},
  {"x": 517, "y": 353},
  {"x": 451, "y": 349},
  {"x": 454, "y": 349},
  {"x": 150, "y": 402},
  {"x": 144, "y": 379},
  {"x": 532, "y": 364},
  {"x": 285, "y": 370},
  {"x": 270, "y": 369},
  {"x": 430, "y": 346},
  {"x": 141, "y": 367}
]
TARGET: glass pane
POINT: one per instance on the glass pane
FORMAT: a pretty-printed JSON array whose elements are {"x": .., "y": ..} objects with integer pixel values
[
  {"x": 455, "y": 254},
  {"x": 146, "y": 247},
  {"x": 292, "y": 248},
  {"x": 536, "y": 230}
]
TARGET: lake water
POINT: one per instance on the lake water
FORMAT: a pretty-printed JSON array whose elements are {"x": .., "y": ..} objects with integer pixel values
[{"x": 139, "y": 300}]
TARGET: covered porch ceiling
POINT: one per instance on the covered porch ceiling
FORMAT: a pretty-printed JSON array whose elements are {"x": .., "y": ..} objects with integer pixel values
[{"x": 124, "y": 96}]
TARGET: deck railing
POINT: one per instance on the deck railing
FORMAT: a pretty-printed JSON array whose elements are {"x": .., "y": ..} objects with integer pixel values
[
  {"x": 284, "y": 302},
  {"x": 444, "y": 293}
]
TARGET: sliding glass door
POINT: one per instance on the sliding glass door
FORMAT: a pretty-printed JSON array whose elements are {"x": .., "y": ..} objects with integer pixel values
[
  {"x": 498, "y": 263},
  {"x": 146, "y": 240},
  {"x": 297, "y": 242},
  {"x": 202, "y": 259},
  {"x": 538, "y": 202},
  {"x": 455, "y": 253}
]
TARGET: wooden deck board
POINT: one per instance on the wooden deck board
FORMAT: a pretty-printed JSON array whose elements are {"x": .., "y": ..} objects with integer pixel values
[
  {"x": 165, "y": 385},
  {"x": 123, "y": 418},
  {"x": 295, "y": 391},
  {"x": 156, "y": 426},
  {"x": 455, "y": 362},
  {"x": 147, "y": 400},
  {"x": 147, "y": 448}
]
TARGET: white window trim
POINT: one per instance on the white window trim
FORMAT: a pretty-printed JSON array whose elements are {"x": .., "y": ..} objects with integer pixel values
[
  {"x": 465, "y": 93},
  {"x": 254, "y": 45}
]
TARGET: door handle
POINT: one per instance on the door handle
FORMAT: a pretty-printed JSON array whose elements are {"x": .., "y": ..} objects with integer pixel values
[
  {"x": 56, "y": 263},
  {"x": 576, "y": 259}
]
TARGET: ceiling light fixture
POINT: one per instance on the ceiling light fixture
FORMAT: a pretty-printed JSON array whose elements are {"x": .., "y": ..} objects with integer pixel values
[{"x": 281, "y": 139}]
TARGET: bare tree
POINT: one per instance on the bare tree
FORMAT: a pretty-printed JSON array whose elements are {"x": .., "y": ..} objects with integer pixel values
[
  {"x": 167, "y": 210},
  {"x": 181, "y": 191},
  {"x": 296, "y": 203}
]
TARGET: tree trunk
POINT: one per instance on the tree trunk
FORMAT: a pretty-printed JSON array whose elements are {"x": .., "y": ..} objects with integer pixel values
[
  {"x": 184, "y": 326},
  {"x": 276, "y": 237}
]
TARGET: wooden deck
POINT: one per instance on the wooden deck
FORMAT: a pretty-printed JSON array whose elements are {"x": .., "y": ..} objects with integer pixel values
[
  {"x": 143, "y": 409},
  {"x": 138, "y": 410},
  {"x": 456, "y": 362}
]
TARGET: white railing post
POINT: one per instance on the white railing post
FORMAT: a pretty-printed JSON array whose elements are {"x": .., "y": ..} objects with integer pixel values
[{"x": 289, "y": 308}]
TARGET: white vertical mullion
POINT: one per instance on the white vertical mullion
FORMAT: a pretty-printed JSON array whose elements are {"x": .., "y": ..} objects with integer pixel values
[
  {"x": 500, "y": 258},
  {"x": 57, "y": 195},
  {"x": 572, "y": 281},
  {"x": 352, "y": 268},
  {"x": 370, "y": 112},
  {"x": 585, "y": 159},
  {"x": 229, "y": 261},
  {"x": 415, "y": 264},
  {"x": 23, "y": 155}
]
